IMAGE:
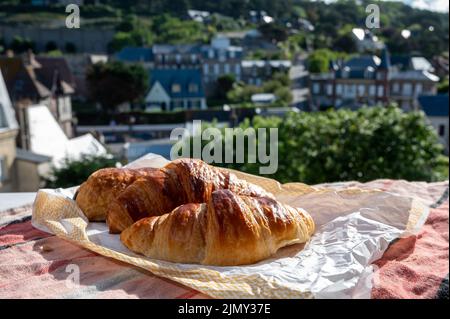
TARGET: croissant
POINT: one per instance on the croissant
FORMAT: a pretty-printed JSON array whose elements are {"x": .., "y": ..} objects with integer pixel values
[
  {"x": 228, "y": 230},
  {"x": 179, "y": 182},
  {"x": 97, "y": 192}
]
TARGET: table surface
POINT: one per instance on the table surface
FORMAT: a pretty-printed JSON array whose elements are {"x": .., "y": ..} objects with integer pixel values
[
  {"x": 13, "y": 200},
  {"x": 30, "y": 260}
]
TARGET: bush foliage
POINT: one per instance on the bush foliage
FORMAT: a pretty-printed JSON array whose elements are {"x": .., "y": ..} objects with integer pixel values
[
  {"x": 343, "y": 145},
  {"x": 75, "y": 172}
]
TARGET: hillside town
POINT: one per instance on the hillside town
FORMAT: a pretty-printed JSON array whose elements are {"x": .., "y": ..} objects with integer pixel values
[{"x": 119, "y": 90}]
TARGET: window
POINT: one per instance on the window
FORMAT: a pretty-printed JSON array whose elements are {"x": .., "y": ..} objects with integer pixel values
[
  {"x": 380, "y": 91},
  {"x": 216, "y": 69},
  {"x": 361, "y": 90},
  {"x": 441, "y": 130},
  {"x": 232, "y": 54},
  {"x": 211, "y": 54},
  {"x": 205, "y": 68},
  {"x": 226, "y": 68},
  {"x": 372, "y": 90},
  {"x": 329, "y": 89},
  {"x": 396, "y": 88},
  {"x": 316, "y": 88},
  {"x": 339, "y": 89},
  {"x": 176, "y": 88},
  {"x": 18, "y": 86},
  {"x": 178, "y": 58},
  {"x": 350, "y": 90},
  {"x": 407, "y": 89},
  {"x": 419, "y": 88},
  {"x": 193, "y": 58},
  {"x": 237, "y": 69},
  {"x": 196, "y": 103},
  {"x": 222, "y": 55},
  {"x": 193, "y": 88}
]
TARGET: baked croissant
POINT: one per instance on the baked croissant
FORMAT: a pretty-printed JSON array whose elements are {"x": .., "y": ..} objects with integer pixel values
[
  {"x": 228, "y": 230},
  {"x": 179, "y": 182},
  {"x": 95, "y": 195}
]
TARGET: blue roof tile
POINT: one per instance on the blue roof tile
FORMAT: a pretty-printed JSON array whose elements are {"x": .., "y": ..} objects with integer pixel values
[
  {"x": 434, "y": 105},
  {"x": 135, "y": 54},
  {"x": 183, "y": 77}
]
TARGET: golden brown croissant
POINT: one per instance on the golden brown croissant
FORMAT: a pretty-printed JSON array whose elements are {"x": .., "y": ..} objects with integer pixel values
[
  {"x": 95, "y": 195},
  {"x": 228, "y": 230},
  {"x": 179, "y": 182}
]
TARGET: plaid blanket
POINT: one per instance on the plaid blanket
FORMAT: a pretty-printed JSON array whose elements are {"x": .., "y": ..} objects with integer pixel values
[{"x": 34, "y": 264}]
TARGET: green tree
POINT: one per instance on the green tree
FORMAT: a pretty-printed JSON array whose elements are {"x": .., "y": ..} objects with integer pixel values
[
  {"x": 70, "y": 47},
  {"x": 175, "y": 31},
  {"x": 51, "y": 46},
  {"x": 114, "y": 83},
  {"x": 319, "y": 60},
  {"x": 273, "y": 32},
  {"x": 224, "y": 85},
  {"x": 443, "y": 87},
  {"x": 345, "y": 43},
  {"x": 362, "y": 145},
  {"x": 75, "y": 172},
  {"x": 279, "y": 85},
  {"x": 20, "y": 45}
]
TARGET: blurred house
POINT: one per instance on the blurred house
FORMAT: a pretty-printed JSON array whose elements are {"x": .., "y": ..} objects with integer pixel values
[
  {"x": 255, "y": 72},
  {"x": 39, "y": 80},
  {"x": 370, "y": 80},
  {"x": 220, "y": 58},
  {"x": 250, "y": 40},
  {"x": 47, "y": 138},
  {"x": 436, "y": 109},
  {"x": 136, "y": 55},
  {"x": 176, "y": 56},
  {"x": 20, "y": 170},
  {"x": 216, "y": 59},
  {"x": 8, "y": 132},
  {"x": 172, "y": 89}
]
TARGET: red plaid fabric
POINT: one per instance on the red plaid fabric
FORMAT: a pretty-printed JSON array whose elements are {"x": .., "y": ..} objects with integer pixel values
[{"x": 34, "y": 264}]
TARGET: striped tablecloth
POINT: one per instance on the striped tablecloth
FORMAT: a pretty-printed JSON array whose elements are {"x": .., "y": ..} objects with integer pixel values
[{"x": 34, "y": 264}]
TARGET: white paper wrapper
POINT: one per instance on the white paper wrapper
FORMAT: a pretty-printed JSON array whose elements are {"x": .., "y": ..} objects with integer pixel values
[{"x": 353, "y": 228}]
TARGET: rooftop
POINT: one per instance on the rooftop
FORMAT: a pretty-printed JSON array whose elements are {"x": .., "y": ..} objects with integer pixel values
[
  {"x": 434, "y": 105},
  {"x": 7, "y": 115},
  {"x": 135, "y": 54},
  {"x": 189, "y": 81}
]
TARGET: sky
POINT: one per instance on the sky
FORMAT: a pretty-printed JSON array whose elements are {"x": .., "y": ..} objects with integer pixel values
[{"x": 434, "y": 5}]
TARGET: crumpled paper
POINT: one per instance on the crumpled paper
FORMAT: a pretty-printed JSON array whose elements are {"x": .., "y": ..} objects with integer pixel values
[{"x": 353, "y": 228}]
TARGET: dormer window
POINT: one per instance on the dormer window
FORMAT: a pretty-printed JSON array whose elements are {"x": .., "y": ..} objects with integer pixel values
[
  {"x": 176, "y": 88},
  {"x": 193, "y": 88},
  {"x": 345, "y": 72}
]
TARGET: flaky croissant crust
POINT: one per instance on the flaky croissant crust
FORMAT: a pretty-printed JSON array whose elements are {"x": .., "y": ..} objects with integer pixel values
[
  {"x": 228, "y": 230},
  {"x": 97, "y": 192},
  {"x": 179, "y": 182}
]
